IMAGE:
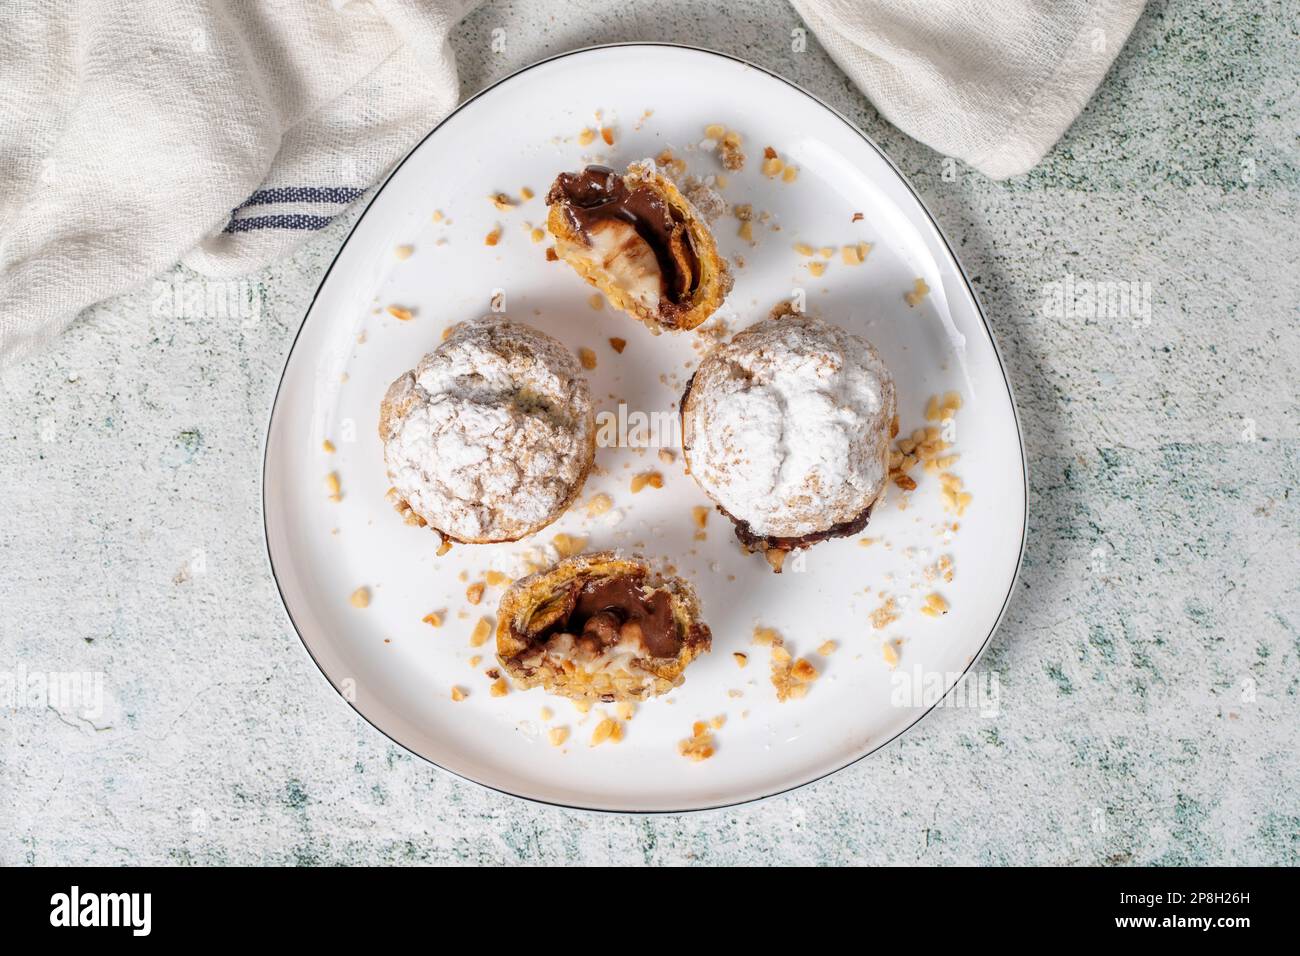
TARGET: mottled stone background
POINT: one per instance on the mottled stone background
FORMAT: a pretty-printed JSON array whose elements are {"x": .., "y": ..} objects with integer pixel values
[{"x": 1148, "y": 665}]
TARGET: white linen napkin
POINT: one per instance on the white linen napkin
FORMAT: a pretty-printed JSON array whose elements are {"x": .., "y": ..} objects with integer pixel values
[
  {"x": 993, "y": 83},
  {"x": 220, "y": 132},
  {"x": 224, "y": 132}
]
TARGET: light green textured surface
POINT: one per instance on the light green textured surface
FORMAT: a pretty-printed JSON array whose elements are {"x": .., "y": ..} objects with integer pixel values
[{"x": 1149, "y": 665}]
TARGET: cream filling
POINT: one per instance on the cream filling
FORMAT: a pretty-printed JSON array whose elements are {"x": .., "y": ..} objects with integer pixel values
[
  {"x": 620, "y": 656},
  {"x": 618, "y": 249}
]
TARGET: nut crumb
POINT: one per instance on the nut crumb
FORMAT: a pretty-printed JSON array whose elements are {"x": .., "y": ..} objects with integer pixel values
[
  {"x": 596, "y": 301},
  {"x": 827, "y": 648},
  {"x": 919, "y": 292},
  {"x": 493, "y": 237},
  {"x": 586, "y": 136},
  {"x": 699, "y": 746},
  {"x": 327, "y": 446},
  {"x": 458, "y": 694},
  {"x": 399, "y": 313},
  {"x": 587, "y": 358},
  {"x": 403, "y": 252},
  {"x": 474, "y": 593},
  {"x": 667, "y": 456},
  {"x": 482, "y": 631},
  {"x": 434, "y": 618},
  {"x": 890, "y": 652},
  {"x": 360, "y": 597},
  {"x": 333, "y": 487},
  {"x": 652, "y": 478},
  {"x": 568, "y": 545},
  {"x": 499, "y": 687},
  {"x": 607, "y": 729},
  {"x": 558, "y": 735},
  {"x": 618, "y": 345},
  {"x": 740, "y": 658},
  {"x": 599, "y": 504},
  {"x": 935, "y": 605}
]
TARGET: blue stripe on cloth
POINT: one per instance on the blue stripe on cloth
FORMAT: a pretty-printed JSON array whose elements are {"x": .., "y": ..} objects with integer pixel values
[
  {"x": 295, "y": 221},
  {"x": 339, "y": 194}
]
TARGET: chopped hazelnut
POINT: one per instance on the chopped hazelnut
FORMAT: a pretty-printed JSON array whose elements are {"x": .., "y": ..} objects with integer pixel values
[
  {"x": 458, "y": 694},
  {"x": 568, "y": 545},
  {"x": 434, "y": 618},
  {"x": 605, "y": 730},
  {"x": 558, "y": 735},
  {"x": 587, "y": 358},
  {"x": 399, "y": 313},
  {"x": 333, "y": 487},
  {"x": 919, "y": 292},
  {"x": 617, "y": 344},
  {"x": 651, "y": 478},
  {"x": 474, "y": 593},
  {"x": 482, "y": 631},
  {"x": 499, "y": 687}
]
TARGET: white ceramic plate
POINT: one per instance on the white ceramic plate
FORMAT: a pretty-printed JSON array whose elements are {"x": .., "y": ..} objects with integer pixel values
[{"x": 398, "y": 672}]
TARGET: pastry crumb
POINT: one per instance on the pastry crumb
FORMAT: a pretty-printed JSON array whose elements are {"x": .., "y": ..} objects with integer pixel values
[
  {"x": 458, "y": 693},
  {"x": 740, "y": 658},
  {"x": 587, "y": 358},
  {"x": 557, "y": 735},
  {"x": 399, "y": 313},
  {"x": 885, "y": 615},
  {"x": 333, "y": 486},
  {"x": 360, "y": 597},
  {"x": 499, "y": 687},
  {"x": 474, "y": 593},
  {"x": 434, "y": 618}
]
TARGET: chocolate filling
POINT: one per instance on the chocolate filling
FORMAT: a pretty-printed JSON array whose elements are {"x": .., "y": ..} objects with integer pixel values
[
  {"x": 764, "y": 542},
  {"x": 599, "y": 194},
  {"x": 602, "y": 611}
]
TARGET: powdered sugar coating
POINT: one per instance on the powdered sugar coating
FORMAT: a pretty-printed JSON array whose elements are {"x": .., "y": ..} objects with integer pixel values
[
  {"x": 491, "y": 436},
  {"x": 787, "y": 426}
]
